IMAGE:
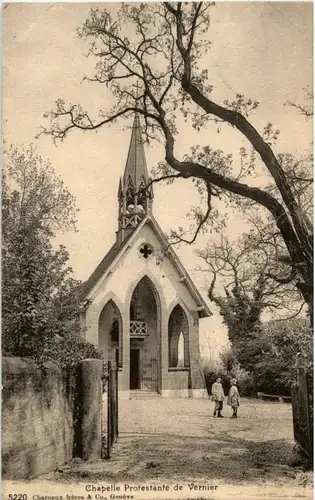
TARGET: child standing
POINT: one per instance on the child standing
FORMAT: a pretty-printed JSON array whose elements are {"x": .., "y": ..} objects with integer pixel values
[
  {"x": 218, "y": 397},
  {"x": 233, "y": 398}
]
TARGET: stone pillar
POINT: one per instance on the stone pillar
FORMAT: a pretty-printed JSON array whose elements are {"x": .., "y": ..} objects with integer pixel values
[
  {"x": 120, "y": 343},
  {"x": 91, "y": 409},
  {"x": 91, "y": 322},
  {"x": 196, "y": 383},
  {"x": 164, "y": 352},
  {"x": 159, "y": 329},
  {"x": 124, "y": 382}
]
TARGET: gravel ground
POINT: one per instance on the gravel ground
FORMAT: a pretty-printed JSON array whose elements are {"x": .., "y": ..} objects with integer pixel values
[{"x": 179, "y": 440}]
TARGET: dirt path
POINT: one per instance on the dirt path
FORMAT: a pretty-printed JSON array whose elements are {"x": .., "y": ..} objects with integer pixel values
[{"x": 179, "y": 440}]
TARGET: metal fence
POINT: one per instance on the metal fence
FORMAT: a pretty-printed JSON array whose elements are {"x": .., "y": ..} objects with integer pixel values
[
  {"x": 112, "y": 407},
  {"x": 302, "y": 408}
]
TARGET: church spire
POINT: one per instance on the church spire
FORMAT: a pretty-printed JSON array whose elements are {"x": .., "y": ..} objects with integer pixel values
[
  {"x": 134, "y": 200},
  {"x": 136, "y": 165}
]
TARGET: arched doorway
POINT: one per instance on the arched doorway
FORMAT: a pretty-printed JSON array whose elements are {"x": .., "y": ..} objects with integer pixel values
[
  {"x": 144, "y": 336},
  {"x": 110, "y": 333},
  {"x": 178, "y": 345}
]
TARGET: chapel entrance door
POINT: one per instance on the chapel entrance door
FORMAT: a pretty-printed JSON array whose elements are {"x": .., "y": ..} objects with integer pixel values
[{"x": 134, "y": 369}]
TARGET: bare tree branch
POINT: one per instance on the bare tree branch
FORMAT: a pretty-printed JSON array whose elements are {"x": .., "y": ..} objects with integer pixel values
[{"x": 162, "y": 57}]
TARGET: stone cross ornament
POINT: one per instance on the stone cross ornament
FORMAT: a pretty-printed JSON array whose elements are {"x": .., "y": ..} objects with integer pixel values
[{"x": 146, "y": 251}]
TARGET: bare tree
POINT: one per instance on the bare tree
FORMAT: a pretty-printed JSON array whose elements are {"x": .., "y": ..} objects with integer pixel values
[
  {"x": 245, "y": 270},
  {"x": 157, "y": 74}
]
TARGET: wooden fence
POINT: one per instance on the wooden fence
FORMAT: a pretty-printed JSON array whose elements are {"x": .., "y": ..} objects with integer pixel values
[
  {"x": 302, "y": 408},
  {"x": 112, "y": 407}
]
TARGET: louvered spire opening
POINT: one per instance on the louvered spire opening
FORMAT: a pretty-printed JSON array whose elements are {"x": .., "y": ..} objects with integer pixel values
[{"x": 134, "y": 199}]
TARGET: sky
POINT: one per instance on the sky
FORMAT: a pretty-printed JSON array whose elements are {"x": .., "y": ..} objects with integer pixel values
[{"x": 260, "y": 49}]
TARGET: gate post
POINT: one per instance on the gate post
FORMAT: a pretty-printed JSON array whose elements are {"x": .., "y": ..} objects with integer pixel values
[
  {"x": 303, "y": 393},
  {"x": 300, "y": 405},
  {"x": 91, "y": 418}
]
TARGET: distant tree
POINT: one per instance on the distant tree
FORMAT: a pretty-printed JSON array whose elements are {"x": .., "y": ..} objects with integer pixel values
[
  {"x": 40, "y": 310},
  {"x": 157, "y": 72},
  {"x": 228, "y": 358},
  {"x": 243, "y": 268}
]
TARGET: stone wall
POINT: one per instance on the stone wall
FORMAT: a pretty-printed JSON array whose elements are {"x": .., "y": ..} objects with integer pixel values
[
  {"x": 37, "y": 418},
  {"x": 176, "y": 383}
]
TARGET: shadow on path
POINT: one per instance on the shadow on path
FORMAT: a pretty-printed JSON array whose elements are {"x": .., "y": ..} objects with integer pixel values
[
  {"x": 179, "y": 441},
  {"x": 149, "y": 456}
]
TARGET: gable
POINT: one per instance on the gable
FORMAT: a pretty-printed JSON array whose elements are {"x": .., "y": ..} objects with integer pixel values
[
  {"x": 127, "y": 255},
  {"x": 102, "y": 267}
]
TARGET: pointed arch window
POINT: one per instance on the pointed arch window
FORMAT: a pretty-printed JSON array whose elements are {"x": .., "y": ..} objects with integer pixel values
[
  {"x": 130, "y": 197},
  {"x": 144, "y": 305},
  {"x": 110, "y": 332},
  {"x": 181, "y": 351},
  {"x": 178, "y": 340}
]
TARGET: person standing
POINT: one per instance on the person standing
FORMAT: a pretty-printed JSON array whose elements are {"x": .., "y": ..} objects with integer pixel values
[
  {"x": 218, "y": 397},
  {"x": 233, "y": 398}
]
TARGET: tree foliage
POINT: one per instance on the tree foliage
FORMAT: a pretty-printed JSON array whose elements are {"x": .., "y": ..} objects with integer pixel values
[
  {"x": 266, "y": 360},
  {"x": 275, "y": 370},
  {"x": 40, "y": 310}
]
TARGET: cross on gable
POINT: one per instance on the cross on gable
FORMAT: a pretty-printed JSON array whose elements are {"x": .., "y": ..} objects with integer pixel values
[{"x": 145, "y": 251}]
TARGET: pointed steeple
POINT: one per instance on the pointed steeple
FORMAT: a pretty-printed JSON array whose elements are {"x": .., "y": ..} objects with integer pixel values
[
  {"x": 134, "y": 200},
  {"x": 136, "y": 165}
]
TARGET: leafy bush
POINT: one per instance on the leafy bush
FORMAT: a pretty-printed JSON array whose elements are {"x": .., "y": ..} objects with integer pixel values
[
  {"x": 265, "y": 360},
  {"x": 274, "y": 372},
  {"x": 245, "y": 381},
  {"x": 68, "y": 351},
  {"x": 212, "y": 371}
]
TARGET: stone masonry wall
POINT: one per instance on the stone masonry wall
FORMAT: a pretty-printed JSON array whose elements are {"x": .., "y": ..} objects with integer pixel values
[{"x": 37, "y": 418}]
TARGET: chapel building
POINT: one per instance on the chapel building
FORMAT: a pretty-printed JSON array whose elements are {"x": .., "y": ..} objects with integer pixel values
[{"x": 141, "y": 307}]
